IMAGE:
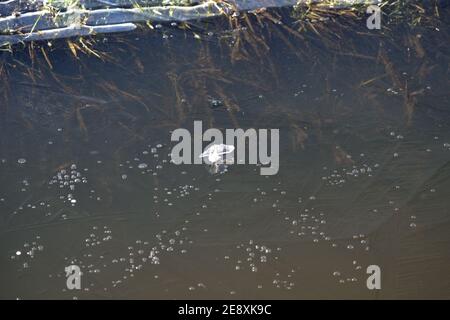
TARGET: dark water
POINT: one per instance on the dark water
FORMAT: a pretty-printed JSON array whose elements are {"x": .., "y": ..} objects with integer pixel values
[{"x": 364, "y": 173}]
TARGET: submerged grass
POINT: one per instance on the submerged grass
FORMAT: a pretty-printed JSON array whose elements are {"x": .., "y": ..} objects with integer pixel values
[{"x": 312, "y": 32}]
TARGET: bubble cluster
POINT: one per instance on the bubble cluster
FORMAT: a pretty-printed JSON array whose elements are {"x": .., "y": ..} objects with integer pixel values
[
  {"x": 252, "y": 256},
  {"x": 106, "y": 259},
  {"x": 25, "y": 255},
  {"x": 285, "y": 282},
  {"x": 338, "y": 177},
  {"x": 67, "y": 179}
]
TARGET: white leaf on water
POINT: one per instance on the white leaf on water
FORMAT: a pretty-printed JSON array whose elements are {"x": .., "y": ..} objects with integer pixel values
[{"x": 215, "y": 152}]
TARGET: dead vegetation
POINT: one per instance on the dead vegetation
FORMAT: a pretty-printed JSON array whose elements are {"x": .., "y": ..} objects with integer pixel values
[{"x": 316, "y": 35}]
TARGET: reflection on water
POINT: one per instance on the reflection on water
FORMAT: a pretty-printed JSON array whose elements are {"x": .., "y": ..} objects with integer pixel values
[{"x": 86, "y": 177}]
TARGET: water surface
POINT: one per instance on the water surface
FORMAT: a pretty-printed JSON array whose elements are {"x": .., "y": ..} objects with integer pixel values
[{"x": 364, "y": 123}]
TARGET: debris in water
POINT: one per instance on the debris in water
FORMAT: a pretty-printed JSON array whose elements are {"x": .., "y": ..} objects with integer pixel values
[{"x": 214, "y": 154}]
